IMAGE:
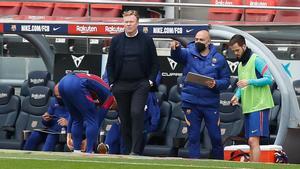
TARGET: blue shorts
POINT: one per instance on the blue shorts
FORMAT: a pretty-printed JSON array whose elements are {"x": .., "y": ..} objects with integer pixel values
[{"x": 257, "y": 124}]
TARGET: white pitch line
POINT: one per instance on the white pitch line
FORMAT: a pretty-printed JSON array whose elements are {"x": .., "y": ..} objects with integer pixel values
[{"x": 128, "y": 163}]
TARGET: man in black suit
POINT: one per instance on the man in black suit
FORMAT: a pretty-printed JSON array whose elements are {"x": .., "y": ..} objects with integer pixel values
[{"x": 132, "y": 67}]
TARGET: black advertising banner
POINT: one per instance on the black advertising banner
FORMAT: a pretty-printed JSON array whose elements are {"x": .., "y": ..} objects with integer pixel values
[
  {"x": 81, "y": 63},
  {"x": 170, "y": 71}
]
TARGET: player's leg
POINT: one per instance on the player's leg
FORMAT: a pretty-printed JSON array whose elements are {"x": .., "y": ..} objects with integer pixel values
[
  {"x": 50, "y": 142},
  {"x": 211, "y": 118},
  {"x": 34, "y": 140}
]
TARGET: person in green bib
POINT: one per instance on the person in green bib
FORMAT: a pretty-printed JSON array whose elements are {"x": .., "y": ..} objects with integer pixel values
[{"x": 253, "y": 92}]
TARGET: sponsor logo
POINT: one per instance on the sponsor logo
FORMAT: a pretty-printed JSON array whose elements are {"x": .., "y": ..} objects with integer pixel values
[
  {"x": 253, "y": 131},
  {"x": 225, "y": 102},
  {"x": 166, "y": 74},
  {"x": 167, "y": 30},
  {"x": 77, "y": 71},
  {"x": 34, "y": 124},
  {"x": 3, "y": 95},
  {"x": 86, "y": 28},
  {"x": 254, "y": 3},
  {"x": 56, "y": 28},
  {"x": 38, "y": 96},
  {"x": 221, "y": 2},
  {"x": 77, "y": 60},
  {"x": 189, "y": 30},
  {"x": 145, "y": 29},
  {"x": 35, "y": 28},
  {"x": 184, "y": 130},
  {"x": 232, "y": 65},
  {"x": 36, "y": 81},
  {"x": 172, "y": 63},
  {"x": 114, "y": 29},
  {"x": 13, "y": 28}
]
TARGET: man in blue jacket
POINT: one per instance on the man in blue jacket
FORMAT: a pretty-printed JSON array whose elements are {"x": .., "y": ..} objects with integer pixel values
[
  {"x": 202, "y": 101},
  {"x": 54, "y": 120}
]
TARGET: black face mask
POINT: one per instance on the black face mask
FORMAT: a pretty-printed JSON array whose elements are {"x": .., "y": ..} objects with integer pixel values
[{"x": 200, "y": 46}]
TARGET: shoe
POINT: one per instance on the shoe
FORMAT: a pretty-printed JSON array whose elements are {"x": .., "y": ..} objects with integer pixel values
[{"x": 102, "y": 148}]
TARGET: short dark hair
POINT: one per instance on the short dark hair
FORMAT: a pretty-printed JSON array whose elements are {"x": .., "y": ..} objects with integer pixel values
[
  {"x": 239, "y": 39},
  {"x": 131, "y": 12}
]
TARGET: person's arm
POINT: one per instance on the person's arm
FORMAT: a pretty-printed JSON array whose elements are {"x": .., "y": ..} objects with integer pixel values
[
  {"x": 179, "y": 54},
  {"x": 154, "y": 60},
  {"x": 70, "y": 123},
  {"x": 110, "y": 65},
  {"x": 223, "y": 81},
  {"x": 262, "y": 68},
  {"x": 48, "y": 116}
]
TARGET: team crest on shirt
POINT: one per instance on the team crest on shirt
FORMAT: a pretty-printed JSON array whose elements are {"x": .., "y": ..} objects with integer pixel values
[{"x": 214, "y": 60}]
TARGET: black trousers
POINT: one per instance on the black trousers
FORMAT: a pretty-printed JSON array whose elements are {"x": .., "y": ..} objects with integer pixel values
[{"x": 131, "y": 98}]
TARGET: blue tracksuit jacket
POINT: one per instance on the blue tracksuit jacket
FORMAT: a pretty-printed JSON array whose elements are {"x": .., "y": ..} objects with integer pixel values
[{"x": 213, "y": 65}]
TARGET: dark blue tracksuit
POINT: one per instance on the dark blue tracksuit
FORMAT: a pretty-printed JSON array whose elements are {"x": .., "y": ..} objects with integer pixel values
[
  {"x": 200, "y": 102},
  {"x": 57, "y": 111},
  {"x": 78, "y": 92}
]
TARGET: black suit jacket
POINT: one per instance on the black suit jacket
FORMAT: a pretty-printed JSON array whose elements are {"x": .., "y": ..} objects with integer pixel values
[{"x": 148, "y": 60}]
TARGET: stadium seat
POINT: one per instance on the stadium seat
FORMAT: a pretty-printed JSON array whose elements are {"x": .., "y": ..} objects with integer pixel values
[
  {"x": 174, "y": 96},
  {"x": 70, "y": 9},
  {"x": 288, "y": 15},
  {"x": 205, "y": 144},
  {"x": 176, "y": 128},
  {"x": 29, "y": 118},
  {"x": 274, "y": 116},
  {"x": 225, "y": 14},
  {"x": 10, "y": 8},
  {"x": 9, "y": 110},
  {"x": 260, "y": 15},
  {"x": 105, "y": 10},
  {"x": 37, "y": 78},
  {"x": 233, "y": 85},
  {"x": 37, "y": 8},
  {"x": 231, "y": 119},
  {"x": 296, "y": 85}
]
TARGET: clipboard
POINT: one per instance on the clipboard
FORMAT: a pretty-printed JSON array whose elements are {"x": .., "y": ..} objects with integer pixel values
[{"x": 198, "y": 79}]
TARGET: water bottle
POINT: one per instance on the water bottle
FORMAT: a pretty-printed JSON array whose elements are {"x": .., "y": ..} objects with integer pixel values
[{"x": 63, "y": 130}]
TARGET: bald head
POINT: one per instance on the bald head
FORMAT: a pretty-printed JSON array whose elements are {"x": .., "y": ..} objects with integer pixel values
[{"x": 202, "y": 36}]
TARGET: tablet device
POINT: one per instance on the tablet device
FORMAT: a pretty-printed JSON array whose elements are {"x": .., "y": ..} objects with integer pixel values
[{"x": 198, "y": 79}]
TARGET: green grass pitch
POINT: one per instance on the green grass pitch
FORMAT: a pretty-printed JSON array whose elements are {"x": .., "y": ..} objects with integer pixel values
[{"x": 12, "y": 159}]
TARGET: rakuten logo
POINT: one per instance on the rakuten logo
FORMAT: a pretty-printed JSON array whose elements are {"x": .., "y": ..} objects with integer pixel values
[
  {"x": 220, "y": 2},
  {"x": 114, "y": 29},
  {"x": 86, "y": 29}
]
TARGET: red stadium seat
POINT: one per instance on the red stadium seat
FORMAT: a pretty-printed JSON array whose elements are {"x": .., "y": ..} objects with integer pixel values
[
  {"x": 70, "y": 9},
  {"x": 225, "y": 14},
  {"x": 260, "y": 15},
  {"x": 287, "y": 15},
  {"x": 37, "y": 8},
  {"x": 105, "y": 10},
  {"x": 10, "y": 8}
]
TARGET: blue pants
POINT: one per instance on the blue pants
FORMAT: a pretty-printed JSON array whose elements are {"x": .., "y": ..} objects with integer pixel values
[
  {"x": 37, "y": 138},
  {"x": 82, "y": 110},
  {"x": 113, "y": 139},
  {"x": 194, "y": 115}
]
